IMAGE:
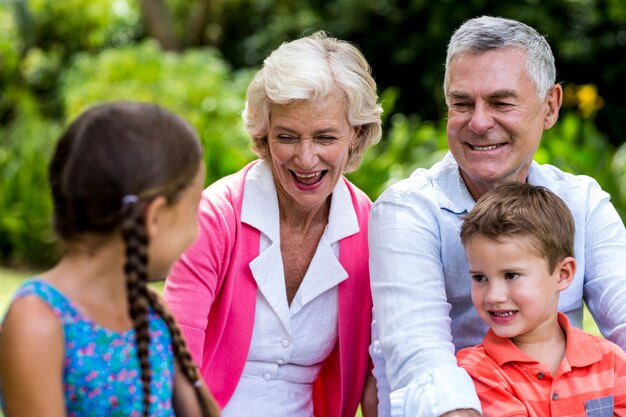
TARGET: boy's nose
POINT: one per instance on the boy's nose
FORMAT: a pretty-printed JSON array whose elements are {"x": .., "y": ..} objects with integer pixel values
[{"x": 496, "y": 293}]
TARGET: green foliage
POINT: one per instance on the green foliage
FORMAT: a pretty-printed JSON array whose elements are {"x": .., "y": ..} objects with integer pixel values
[
  {"x": 196, "y": 84},
  {"x": 25, "y": 207},
  {"x": 405, "y": 41},
  {"x": 59, "y": 57},
  {"x": 575, "y": 145}
]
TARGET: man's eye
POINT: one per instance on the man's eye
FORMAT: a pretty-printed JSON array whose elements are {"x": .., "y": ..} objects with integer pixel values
[{"x": 461, "y": 106}]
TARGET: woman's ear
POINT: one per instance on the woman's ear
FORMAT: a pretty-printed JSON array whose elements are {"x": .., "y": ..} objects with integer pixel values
[
  {"x": 566, "y": 270},
  {"x": 153, "y": 212}
]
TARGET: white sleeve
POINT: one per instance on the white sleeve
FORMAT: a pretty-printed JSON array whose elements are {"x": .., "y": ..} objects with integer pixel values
[{"x": 411, "y": 308}]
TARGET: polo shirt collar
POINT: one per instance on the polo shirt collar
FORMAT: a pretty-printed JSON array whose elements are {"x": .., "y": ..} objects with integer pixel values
[{"x": 580, "y": 349}]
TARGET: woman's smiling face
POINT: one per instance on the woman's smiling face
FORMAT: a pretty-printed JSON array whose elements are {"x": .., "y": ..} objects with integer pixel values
[{"x": 309, "y": 144}]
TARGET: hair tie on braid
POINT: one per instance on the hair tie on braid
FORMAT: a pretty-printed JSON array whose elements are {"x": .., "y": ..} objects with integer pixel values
[
  {"x": 197, "y": 384},
  {"x": 129, "y": 199}
]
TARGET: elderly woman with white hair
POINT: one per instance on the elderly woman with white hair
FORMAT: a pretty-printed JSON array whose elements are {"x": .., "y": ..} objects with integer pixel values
[{"x": 274, "y": 296}]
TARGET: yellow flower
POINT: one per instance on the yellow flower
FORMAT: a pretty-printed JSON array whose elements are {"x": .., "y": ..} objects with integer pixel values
[{"x": 589, "y": 102}]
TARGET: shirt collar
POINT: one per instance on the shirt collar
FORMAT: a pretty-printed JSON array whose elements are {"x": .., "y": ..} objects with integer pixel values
[
  {"x": 451, "y": 190},
  {"x": 260, "y": 206},
  {"x": 452, "y": 193},
  {"x": 580, "y": 350}
]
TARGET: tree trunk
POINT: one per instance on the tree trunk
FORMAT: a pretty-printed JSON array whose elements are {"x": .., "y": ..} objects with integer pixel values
[{"x": 159, "y": 24}]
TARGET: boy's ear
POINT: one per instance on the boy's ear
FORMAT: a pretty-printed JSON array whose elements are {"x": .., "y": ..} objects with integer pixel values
[
  {"x": 566, "y": 270},
  {"x": 152, "y": 215}
]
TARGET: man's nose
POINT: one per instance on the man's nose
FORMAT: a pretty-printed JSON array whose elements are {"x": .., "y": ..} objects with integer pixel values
[{"x": 482, "y": 119}]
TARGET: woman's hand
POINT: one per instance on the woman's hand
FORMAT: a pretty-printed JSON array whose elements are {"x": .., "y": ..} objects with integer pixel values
[{"x": 369, "y": 401}]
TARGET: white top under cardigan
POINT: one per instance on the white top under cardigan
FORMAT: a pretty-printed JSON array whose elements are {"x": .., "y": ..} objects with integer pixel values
[{"x": 289, "y": 342}]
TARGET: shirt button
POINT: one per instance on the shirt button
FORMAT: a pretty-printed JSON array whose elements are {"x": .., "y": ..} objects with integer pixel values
[
  {"x": 285, "y": 343},
  {"x": 555, "y": 396},
  {"x": 280, "y": 361},
  {"x": 541, "y": 375},
  {"x": 267, "y": 376}
]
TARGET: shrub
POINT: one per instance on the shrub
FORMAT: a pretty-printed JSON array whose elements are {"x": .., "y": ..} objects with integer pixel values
[{"x": 197, "y": 85}]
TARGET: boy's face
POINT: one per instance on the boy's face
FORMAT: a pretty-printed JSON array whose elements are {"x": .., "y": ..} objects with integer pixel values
[{"x": 512, "y": 288}]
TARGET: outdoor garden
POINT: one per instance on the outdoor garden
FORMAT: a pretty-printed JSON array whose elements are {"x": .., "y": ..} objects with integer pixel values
[{"x": 196, "y": 57}]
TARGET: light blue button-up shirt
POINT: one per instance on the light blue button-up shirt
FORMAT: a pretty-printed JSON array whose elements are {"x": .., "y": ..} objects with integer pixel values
[{"x": 421, "y": 285}]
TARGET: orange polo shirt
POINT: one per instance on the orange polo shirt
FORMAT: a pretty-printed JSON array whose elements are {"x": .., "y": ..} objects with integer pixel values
[{"x": 589, "y": 382}]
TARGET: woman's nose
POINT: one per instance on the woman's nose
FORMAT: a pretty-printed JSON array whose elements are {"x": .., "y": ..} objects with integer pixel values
[{"x": 306, "y": 154}]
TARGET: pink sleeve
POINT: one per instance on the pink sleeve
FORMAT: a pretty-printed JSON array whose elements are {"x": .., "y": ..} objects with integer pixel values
[{"x": 194, "y": 279}]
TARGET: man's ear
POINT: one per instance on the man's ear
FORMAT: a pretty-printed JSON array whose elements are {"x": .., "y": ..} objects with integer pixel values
[
  {"x": 566, "y": 270},
  {"x": 553, "y": 101},
  {"x": 153, "y": 212}
]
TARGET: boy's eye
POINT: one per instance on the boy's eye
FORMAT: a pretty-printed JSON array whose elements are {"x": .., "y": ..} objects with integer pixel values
[
  {"x": 479, "y": 278},
  {"x": 511, "y": 275}
]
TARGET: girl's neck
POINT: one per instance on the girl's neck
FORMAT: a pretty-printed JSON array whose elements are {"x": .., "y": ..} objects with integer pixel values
[{"x": 93, "y": 278}]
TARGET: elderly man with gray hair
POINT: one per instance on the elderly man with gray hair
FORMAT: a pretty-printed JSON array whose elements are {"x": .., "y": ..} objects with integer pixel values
[{"x": 501, "y": 92}]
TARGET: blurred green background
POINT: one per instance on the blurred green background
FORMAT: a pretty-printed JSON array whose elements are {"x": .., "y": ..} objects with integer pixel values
[{"x": 197, "y": 56}]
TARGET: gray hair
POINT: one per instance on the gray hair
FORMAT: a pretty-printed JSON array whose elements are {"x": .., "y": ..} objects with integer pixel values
[
  {"x": 311, "y": 68},
  {"x": 483, "y": 33}
]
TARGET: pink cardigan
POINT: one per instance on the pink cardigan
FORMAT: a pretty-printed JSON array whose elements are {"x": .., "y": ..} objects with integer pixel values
[{"x": 212, "y": 294}]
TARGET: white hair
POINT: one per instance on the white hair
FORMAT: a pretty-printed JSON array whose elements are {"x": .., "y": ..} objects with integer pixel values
[
  {"x": 310, "y": 69},
  {"x": 484, "y": 33}
]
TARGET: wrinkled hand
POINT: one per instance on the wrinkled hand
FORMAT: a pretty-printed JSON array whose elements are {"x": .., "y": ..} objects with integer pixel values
[{"x": 462, "y": 413}]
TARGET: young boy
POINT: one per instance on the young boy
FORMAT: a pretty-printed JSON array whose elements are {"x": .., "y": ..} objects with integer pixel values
[{"x": 519, "y": 243}]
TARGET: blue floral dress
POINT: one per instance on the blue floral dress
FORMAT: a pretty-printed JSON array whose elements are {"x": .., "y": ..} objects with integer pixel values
[{"x": 102, "y": 373}]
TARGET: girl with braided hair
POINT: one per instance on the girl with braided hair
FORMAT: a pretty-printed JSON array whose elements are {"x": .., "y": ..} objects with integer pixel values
[{"x": 89, "y": 337}]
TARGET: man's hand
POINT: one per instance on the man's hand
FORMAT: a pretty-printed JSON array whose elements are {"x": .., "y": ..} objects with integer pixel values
[{"x": 462, "y": 413}]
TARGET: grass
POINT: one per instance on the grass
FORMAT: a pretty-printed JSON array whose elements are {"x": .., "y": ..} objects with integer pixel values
[{"x": 9, "y": 281}]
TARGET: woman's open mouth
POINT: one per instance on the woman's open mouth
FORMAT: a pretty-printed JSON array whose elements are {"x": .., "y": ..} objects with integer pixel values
[{"x": 308, "y": 179}]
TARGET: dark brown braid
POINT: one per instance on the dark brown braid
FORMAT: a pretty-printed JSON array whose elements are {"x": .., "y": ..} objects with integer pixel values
[
  {"x": 136, "y": 240},
  {"x": 181, "y": 352}
]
